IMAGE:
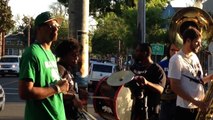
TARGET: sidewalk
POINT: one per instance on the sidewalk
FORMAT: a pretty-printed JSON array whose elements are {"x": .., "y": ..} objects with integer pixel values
[
  {"x": 15, "y": 111},
  {"x": 12, "y": 111}
]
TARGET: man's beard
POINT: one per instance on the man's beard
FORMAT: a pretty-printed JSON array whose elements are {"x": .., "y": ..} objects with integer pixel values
[
  {"x": 194, "y": 49},
  {"x": 139, "y": 58},
  {"x": 53, "y": 36}
]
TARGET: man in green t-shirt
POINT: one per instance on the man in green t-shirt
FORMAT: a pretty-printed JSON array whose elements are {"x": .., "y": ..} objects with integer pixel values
[{"x": 40, "y": 84}]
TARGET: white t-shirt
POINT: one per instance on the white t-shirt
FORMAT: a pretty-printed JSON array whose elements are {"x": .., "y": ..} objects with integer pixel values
[{"x": 189, "y": 72}]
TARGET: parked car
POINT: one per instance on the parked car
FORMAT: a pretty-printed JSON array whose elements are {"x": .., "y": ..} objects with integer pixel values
[
  {"x": 9, "y": 65},
  {"x": 99, "y": 70},
  {"x": 2, "y": 98}
]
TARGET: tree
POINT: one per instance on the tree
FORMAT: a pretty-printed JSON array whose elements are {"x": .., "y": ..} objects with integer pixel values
[
  {"x": 105, "y": 6},
  {"x": 6, "y": 22},
  {"x": 28, "y": 25},
  {"x": 129, "y": 15},
  {"x": 109, "y": 26},
  {"x": 110, "y": 35},
  {"x": 59, "y": 10},
  {"x": 25, "y": 26},
  {"x": 155, "y": 34},
  {"x": 125, "y": 11},
  {"x": 64, "y": 2}
]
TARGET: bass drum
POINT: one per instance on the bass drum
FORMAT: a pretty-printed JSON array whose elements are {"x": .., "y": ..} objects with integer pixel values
[{"x": 112, "y": 102}]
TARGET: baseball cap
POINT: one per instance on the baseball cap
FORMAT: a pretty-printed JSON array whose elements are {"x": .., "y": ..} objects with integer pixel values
[{"x": 45, "y": 17}]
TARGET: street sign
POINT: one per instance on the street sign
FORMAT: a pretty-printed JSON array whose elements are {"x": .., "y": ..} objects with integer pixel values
[{"x": 157, "y": 49}]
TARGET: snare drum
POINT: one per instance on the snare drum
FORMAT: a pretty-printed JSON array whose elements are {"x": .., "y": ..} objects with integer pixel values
[{"x": 112, "y": 102}]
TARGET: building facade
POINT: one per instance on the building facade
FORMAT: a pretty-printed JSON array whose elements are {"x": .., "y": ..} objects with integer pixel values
[{"x": 14, "y": 44}]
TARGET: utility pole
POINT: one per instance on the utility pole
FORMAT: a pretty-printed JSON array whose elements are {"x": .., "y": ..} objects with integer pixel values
[
  {"x": 78, "y": 29},
  {"x": 3, "y": 43},
  {"x": 141, "y": 21}
]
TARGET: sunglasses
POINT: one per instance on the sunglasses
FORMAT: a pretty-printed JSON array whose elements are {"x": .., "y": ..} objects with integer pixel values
[{"x": 51, "y": 26}]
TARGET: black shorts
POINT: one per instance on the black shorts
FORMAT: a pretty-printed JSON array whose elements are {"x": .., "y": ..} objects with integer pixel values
[{"x": 185, "y": 113}]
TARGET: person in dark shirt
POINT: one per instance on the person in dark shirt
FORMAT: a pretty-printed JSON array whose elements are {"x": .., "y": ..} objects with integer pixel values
[
  {"x": 168, "y": 98},
  {"x": 68, "y": 53},
  {"x": 147, "y": 85}
]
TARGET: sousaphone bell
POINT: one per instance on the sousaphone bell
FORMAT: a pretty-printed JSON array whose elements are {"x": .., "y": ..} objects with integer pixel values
[{"x": 190, "y": 16}]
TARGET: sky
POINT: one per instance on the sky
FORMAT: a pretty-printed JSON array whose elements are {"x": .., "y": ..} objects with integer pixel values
[
  {"x": 29, "y": 7},
  {"x": 34, "y": 7},
  {"x": 181, "y": 3}
]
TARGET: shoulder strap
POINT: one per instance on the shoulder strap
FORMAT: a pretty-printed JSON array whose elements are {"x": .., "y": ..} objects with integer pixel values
[{"x": 62, "y": 70}]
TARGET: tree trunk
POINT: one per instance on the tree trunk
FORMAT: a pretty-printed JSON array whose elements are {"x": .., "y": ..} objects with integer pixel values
[{"x": 2, "y": 43}]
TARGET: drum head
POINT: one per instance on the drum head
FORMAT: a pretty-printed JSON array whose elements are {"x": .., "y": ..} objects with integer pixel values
[
  {"x": 120, "y": 78},
  {"x": 123, "y": 105},
  {"x": 112, "y": 102}
]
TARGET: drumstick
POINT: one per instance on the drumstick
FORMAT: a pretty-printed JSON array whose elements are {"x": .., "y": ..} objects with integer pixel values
[
  {"x": 91, "y": 116},
  {"x": 100, "y": 97}
]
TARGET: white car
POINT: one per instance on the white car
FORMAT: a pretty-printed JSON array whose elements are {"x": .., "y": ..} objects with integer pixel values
[
  {"x": 9, "y": 65},
  {"x": 99, "y": 70}
]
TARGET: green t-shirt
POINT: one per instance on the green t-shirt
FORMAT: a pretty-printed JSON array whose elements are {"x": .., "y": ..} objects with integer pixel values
[{"x": 40, "y": 66}]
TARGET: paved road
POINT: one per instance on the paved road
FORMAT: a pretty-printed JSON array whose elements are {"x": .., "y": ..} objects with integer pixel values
[
  {"x": 15, "y": 111},
  {"x": 14, "y": 107}
]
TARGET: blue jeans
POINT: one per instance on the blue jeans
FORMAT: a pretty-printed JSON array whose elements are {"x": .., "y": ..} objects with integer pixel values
[{"x": 167, "y": 111}]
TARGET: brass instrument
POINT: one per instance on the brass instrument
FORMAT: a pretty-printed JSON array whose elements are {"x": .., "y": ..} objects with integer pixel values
[
  {"x": 207, "y": 115},
  {"x": 190, "y": 16},
  {"x": 196, "y": 17}
]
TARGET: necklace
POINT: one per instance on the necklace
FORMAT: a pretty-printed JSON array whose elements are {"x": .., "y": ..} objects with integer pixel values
[
  {"x": 187, "y": 60},
  {"x": 192, "y": 66},
  {"x": 51, "y": 62}
]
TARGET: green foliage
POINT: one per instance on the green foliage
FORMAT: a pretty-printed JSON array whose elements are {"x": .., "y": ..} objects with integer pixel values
[
  {"x": 64, "y": 2},
  {"x": 28, "y": 22},
  {"x": 63, "y": 33},
  {"x": 112, "y": 29},
  {"x": 6, "y": 22},
  {"x": 155, "y": 34},
  {"x": 24, "y": 27},
  {"x": 117, "y": 21},
  {"x": 129, "y": 16},
  {"x": 105, "y": 6},
  {"x": 58, "y": 10},
  {"x": 109, "y": 29}
]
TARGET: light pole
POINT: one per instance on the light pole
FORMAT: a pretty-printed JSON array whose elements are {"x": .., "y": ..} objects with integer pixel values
[
  {"x": 78, "y": 28},
  {"x": 141, "y": 21}
]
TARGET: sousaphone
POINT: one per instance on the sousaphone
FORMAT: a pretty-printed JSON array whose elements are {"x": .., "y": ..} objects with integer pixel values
[{"x": 190, "y": 16}]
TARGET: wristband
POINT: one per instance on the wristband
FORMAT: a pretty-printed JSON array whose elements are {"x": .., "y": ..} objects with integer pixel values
[{"x": 56, "y": 88}]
